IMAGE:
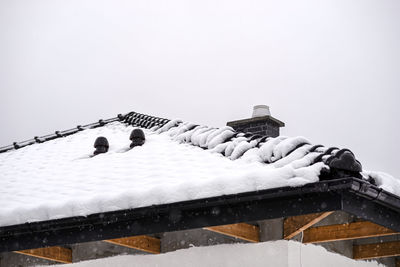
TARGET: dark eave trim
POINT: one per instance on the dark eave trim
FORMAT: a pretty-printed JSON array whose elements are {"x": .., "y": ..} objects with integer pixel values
[{"x": 350, "y": 194}]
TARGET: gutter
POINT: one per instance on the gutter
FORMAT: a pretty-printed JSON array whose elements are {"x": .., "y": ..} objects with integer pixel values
[{"x": 376, "y": 194}]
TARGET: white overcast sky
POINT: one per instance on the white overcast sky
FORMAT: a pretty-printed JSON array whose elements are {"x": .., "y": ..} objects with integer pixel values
[{"x": 329, "y": 69}]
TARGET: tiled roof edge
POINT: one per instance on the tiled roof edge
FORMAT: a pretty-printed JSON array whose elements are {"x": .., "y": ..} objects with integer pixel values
[
  {"x": 341, "y": 163},
  {"x": 131, "y": 118},
  {"x": 341, "y": 159}
]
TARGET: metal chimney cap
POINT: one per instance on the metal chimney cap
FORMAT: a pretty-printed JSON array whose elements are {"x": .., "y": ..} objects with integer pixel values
[{"x": 260, "y": 111}]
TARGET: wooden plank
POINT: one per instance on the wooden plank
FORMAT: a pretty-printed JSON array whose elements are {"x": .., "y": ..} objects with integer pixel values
[
  {"x": 378, "y": 250},
  {"x": 242, "y": 231},
  {"x": 344, "y": 232},
  {"x": 58, "y": 254},
  {"x": 141, "y": 242},
  {"x": 293, "y": 226}
]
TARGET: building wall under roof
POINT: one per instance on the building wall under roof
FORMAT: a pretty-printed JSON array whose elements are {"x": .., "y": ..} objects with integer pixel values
[{"x": 270, "y": 230}]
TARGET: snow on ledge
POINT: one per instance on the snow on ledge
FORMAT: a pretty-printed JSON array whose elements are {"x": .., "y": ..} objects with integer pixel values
[
  {"x": 280, "y": 253},
  {"x": 385, "y": 181}
]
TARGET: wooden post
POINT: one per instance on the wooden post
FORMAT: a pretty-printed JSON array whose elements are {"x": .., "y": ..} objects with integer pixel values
[
  {"x": 378, "y": 250},
  {"x": 297, "y": 224},
  {"x": 242, "y": 231},
  {"x": 345, "y": 231},
  {"x": 58, "y": 254},
  {"x": 141, "y": 242}
]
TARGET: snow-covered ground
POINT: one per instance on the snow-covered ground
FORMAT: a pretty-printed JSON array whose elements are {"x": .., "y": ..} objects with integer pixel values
[
  {"x": 280, "y": 253},
  {"x": 59, "y": 178}
]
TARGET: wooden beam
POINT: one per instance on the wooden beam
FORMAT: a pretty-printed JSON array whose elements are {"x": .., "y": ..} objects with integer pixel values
[
  {"x": 242, "y": 231},
  {"x": 378, "y": 250},
  {"x": 293, "y": 226},
  {"x": 344, "y": 232},
  {"x": 141, "y": 242},
  {"x": 58, "y": 254}
]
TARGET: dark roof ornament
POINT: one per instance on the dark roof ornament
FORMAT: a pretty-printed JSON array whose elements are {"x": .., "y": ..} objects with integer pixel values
[
  {"x": 101, "y": 145},
  {"x": 137, "y": 137},
  {"x": 37, "y": 139},
  {"x": 345, "y": 160},
  {"x": 132, "y": 118},
  {"x": 342, "y": 164}
]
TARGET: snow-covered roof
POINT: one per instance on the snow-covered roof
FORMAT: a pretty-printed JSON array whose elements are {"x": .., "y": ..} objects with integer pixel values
[{"x": 179, "y": 161}]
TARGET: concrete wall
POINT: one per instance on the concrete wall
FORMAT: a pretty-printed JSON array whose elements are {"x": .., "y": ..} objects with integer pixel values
[
  {"x": 194, "y": 238},
  {"x": 271, "y": 229},
  {"x": 12, "y": 259},
  {"x": 99, "y": 249}
]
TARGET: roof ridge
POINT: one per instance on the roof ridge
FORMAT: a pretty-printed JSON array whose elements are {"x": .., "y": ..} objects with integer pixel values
[{"x": 133, "y": 118}]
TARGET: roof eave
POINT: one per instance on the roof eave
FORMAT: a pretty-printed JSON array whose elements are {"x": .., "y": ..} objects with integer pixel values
[{"x": 349, "y": 194}]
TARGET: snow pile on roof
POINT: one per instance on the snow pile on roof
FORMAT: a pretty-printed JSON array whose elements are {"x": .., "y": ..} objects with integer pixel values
[
  {"x": 59, "y": 179},
  {"x": 384, "y": 181},
  {"x": 179, "y": 161},
  {"x": 280, "y": 253},
  {"x": 296, "y": 152},
  {"x": 233, "y": 145}
]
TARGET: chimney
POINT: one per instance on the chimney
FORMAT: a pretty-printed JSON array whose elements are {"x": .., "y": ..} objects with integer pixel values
[{"x": 261, "y": 122}]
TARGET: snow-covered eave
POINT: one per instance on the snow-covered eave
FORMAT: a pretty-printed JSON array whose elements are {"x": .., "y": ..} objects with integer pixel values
[{"x": 348, "y": 194}]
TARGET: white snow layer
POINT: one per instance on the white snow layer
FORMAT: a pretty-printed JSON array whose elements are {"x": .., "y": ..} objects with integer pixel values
[
  {"x": 59, "y": 178},
  {"x": 280, "y": 253},
  {"x": 385, "y": 181}
]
